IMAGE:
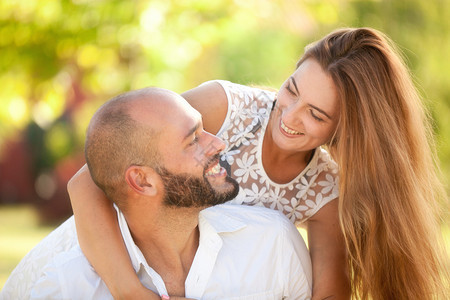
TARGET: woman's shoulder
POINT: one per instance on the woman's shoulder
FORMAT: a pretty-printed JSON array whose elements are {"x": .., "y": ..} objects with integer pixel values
[
  {"x": 245, "y": 93},
  {"x": 321, "y": 163},
  {"x": 320, "y": 182}
]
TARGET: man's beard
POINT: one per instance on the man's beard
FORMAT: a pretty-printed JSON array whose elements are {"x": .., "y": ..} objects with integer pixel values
[{"x": 185, "y": 190}]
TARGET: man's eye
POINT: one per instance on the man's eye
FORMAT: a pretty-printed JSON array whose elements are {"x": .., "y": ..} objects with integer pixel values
[{"x": 194, "y": 141}]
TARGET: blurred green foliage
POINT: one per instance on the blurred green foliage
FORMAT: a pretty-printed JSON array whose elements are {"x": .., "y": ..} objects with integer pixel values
[{"x": 60, "y": 59}]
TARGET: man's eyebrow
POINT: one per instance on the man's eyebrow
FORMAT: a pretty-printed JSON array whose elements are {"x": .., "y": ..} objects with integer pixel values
[
  {"x": 191, "y": 131},
  {"x": 323, "y": 112},
  {"x": 294, "y": 83}
]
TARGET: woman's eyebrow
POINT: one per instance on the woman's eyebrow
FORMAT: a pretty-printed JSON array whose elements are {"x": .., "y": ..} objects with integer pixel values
[
  {"x": 294, "y": 83},
  {"x": 320, "y": 110}
]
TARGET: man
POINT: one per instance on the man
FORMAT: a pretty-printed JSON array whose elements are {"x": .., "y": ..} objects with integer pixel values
[{"x": 148, "y": 152}]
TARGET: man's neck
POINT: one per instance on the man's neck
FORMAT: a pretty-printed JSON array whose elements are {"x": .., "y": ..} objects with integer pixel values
[{"x": 169, "y": 240}]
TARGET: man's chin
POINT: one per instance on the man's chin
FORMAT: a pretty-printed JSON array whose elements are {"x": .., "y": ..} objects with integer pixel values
[
  {"x": 183, "y": 190},
  {"x": 228, "y": 190}
]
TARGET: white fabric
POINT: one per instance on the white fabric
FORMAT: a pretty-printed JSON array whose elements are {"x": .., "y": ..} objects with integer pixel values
[
  {"x": 244, "y": 253},
  {"x": 243, "y": 130},
  {"x": 28, "y": 271}
]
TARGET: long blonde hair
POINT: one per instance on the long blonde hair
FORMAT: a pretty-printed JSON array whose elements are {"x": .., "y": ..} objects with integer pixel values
[{"x": 389, "y": 185}]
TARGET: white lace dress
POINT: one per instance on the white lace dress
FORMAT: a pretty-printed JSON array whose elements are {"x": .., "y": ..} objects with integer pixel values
[{"x": 243, "y": 131}]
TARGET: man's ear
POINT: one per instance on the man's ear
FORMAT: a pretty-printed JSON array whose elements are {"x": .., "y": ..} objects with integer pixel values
[{"x": 142, "y": 180}]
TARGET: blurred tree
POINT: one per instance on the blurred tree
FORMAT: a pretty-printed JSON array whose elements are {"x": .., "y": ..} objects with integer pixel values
[{"x": 59, "y": 60}]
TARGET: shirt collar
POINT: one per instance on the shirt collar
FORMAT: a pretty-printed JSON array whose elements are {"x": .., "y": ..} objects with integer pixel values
[
  {"x": 210, "y": 219},
  {"x": 136, "y": 256},
  {"x": 219, "y": 221},
  {"x": 212, "y": 222}
]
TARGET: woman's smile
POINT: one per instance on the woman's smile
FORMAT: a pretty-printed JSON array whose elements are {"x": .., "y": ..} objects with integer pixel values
[{"x": 288, "y": 131}]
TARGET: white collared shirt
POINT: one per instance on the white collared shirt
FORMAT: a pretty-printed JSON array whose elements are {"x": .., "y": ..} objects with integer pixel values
[{"x": 244, "y": 253}]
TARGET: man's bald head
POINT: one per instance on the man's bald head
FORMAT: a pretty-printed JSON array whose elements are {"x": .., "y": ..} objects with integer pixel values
[{"x": 120, "y": 135}]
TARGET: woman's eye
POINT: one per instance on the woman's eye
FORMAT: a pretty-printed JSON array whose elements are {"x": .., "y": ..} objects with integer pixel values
[
  {"x": 290, "y": 91},
  {"x": 315, "y": 116}
]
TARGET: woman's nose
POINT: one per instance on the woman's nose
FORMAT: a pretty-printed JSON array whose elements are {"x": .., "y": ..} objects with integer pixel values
[{"x": 292, "y": 115}]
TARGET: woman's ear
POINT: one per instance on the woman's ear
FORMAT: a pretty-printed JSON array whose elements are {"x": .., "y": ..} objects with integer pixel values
[{"x": 142, "y": 180}]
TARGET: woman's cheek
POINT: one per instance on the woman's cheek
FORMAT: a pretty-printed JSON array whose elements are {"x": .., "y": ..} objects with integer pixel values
[{"x": 316, "y": 131}]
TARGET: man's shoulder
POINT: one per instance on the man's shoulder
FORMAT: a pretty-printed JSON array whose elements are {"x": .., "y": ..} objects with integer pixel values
[
  {"x": 69, "y": 275},
  {"x": 243, "y": 210},
  {"x": 253, "y": 216},
  {"x": 69, "y": 258},
  {"x": 29, "y": 269},
  {"x": 264, "y": 235}
]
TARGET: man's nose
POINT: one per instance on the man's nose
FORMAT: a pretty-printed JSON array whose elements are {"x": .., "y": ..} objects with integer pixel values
[{"x": 214, "y": 144}]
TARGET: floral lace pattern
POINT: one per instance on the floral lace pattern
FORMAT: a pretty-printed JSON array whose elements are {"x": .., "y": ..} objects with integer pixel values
[{"x": 243, "y": 131}]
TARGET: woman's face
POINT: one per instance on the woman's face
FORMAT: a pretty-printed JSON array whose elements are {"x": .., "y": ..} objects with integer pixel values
[{"x": 307, "y": 110}]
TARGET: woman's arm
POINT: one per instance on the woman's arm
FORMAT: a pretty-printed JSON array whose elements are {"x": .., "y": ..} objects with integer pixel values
[
  {"x": 211, "y": 101},
  {"x": 100, "y": 238},
  {"x": 328, "y": 254}
]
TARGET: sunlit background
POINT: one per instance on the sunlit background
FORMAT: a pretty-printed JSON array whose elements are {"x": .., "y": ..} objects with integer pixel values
[{"x": 59, "y": 60}]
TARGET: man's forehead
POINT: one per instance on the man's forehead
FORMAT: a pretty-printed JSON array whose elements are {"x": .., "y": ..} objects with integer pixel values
[
  {"x": 188, "y": 123},
  {"x": 152, "y": 106},
  {"x": 174, "y": 115}
]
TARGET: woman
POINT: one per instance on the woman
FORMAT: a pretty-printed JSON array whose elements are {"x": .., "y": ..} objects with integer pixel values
[{"x": 352, "y": 93}]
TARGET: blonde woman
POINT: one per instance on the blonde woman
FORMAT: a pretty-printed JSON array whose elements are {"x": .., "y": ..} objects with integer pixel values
[{"x": 352, "y": 93}]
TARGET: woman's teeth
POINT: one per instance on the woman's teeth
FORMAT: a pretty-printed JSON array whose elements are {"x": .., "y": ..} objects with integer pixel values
[
  {"x": 214, "y": 170},
  {"x": 288, "y": 130}
]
